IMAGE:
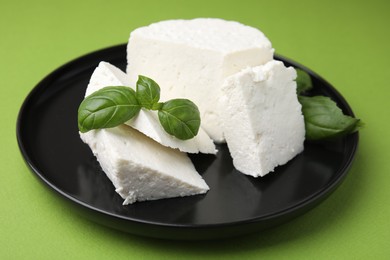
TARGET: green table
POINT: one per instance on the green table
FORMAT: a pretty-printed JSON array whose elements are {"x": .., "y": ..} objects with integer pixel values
[{"x": 346, "y": 42}]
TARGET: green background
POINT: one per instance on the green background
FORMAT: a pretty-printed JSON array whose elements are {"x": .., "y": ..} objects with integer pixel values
[{"x": 346, "y": 42}]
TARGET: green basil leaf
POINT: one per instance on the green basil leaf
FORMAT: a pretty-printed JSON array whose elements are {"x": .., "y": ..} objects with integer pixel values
[
  {"x": 324, "y": 120},
  {"x": 148, "y": 92},
  {"x": 303, "y": 80},
  {"x": 180, "y": 118},
  {"x": 107, "y": 107}
]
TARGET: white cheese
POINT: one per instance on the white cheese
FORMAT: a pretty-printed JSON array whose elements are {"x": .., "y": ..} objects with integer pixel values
[
  {"x": 192, "y": 58},
  {"x": 142, "y": 169},
  {"x": 146, "y": 121},
  {"x": 262, "y": 118}
]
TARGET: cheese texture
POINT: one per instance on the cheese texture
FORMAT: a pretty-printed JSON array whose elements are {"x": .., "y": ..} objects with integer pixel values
[
  {"x": 262, "y": 118},
  {"x": 191, "y": 59},
  {"x": 147, "y": 121},
  {"x": 142, "y": 169}
]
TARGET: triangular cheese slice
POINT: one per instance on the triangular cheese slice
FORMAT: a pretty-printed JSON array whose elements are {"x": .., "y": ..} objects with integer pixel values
[
  {"x": 147, "y": 121},
  {"x": 142, "y": 169}
]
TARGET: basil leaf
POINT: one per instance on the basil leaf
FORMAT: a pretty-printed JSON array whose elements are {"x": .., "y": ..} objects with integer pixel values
[
  {"x": 303, "y": 80},
  {"x": 180, "y": 118},
  {"x": 148, "y": 92},
  {"x": 107, "y": 107},
  {"x": 324, "y": 120}
]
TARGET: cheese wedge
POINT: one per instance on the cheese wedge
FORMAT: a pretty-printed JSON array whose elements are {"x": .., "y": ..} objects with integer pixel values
[
  {"x": 147, "y": 121},
  {"x": 142, "y": 169},
  {"x": 262, "y": 118},
  {"x": 191, "y": 59}
]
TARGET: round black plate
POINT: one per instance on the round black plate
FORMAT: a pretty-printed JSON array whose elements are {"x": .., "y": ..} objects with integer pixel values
[{"x": 236, "y": 204}]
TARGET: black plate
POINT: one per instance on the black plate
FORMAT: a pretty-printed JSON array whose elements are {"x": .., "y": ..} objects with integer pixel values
[{"x": 236, "y": 204}]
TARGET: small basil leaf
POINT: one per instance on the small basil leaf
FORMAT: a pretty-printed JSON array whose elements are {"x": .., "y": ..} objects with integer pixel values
[
  {"x": 148, "y": 92},
  {"x": 107, "y": 107},
  {"x": 303, "y": 80},
  {"x": 180, "y": 118},
  {"x": 324, "y": 120}
]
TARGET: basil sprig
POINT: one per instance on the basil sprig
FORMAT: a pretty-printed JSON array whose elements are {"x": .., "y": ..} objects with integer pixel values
[
  {"x": 114, "y": 105},
  {"x": 323, "y": 119}
]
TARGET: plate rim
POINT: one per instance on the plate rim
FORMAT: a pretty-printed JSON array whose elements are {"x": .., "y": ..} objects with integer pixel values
[{"x": 308, "y": 202}]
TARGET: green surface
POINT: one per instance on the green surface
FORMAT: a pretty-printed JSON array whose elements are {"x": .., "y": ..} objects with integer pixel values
[{"x": 346, "y": 42}]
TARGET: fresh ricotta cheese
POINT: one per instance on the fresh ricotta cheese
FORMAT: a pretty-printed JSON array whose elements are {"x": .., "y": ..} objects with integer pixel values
[
  {"x": 262, "y": 118},
  {"x": 142, "y": 169},
  {"x": 147, "y": 121},
  {"x": 192, "y": 58}
]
